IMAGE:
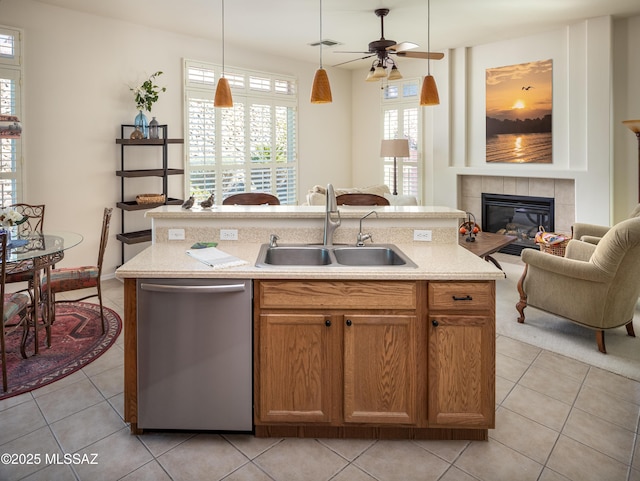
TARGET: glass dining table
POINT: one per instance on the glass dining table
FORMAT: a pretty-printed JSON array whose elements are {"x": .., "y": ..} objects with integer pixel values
[{"x": 36, "y": 253}]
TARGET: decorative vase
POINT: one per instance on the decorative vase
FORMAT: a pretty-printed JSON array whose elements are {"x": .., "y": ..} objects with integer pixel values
[
  {"x": 153, "y": 129},
  {"x": 142, "y": 122}
]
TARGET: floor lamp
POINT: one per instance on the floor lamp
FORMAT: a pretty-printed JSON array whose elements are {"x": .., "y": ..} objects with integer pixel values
[
  {"x": 634, "y": 125},
  {"x": 395, "y": 148}
]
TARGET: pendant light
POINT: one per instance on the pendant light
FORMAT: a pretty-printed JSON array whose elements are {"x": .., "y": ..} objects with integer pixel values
[
  {"x": 429, "y": 92},
  {"x": 321, "y": 90},
  {"x": 223, "y": 91}
]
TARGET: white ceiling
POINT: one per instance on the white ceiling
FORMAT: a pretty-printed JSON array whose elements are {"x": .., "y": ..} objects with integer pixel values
[{"x": 286, "y": 27}]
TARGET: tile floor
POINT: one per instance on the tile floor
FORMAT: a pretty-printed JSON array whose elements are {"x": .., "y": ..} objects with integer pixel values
[{"x": 557, "y": 419}]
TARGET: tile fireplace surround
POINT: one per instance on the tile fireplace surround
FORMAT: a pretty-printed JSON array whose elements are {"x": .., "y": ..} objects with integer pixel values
[{"x": 562, "y": 190}]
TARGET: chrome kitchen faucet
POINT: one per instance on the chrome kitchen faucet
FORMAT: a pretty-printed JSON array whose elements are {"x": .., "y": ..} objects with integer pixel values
[{"x": 331, "y": 207}]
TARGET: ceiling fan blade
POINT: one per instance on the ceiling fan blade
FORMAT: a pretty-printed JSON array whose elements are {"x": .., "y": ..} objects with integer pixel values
[
  {"x": 346, "y": 51},
  {"x": 354, "y": 60},
  {"x": 402, "y": 46},
  {"x": 427, "y": 55}
]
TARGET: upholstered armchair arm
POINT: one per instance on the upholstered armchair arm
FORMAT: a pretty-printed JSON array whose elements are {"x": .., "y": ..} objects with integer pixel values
[
  {"x": 580, "y": 251},
  {"x": 591, "y": 239},
  {"x": 565, "y": 267},
  {"x": 581, "y": 229}
]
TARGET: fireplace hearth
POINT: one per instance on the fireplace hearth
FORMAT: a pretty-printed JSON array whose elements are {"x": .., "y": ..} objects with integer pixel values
[{"x": 517, "y": 215}]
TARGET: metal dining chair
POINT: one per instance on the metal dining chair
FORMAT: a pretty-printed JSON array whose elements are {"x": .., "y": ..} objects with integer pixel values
[
  {"x": 251, "y": 198},
  {"x": 14, "y": 312},
  {"x": 76, "y": 278}
]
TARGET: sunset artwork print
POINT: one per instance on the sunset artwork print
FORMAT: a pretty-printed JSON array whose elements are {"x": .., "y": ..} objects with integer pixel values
[{"x": 519, "y": 103}]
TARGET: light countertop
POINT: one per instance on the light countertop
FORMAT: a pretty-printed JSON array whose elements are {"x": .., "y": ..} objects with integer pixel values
[{"x": 435, "y": 262}]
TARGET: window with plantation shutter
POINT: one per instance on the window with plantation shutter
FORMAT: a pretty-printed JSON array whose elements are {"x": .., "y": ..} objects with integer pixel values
[
  {"x": 401, "y": 118},
  {"x": 251, "y": 147},
  {"x": 10, "y": 105}
]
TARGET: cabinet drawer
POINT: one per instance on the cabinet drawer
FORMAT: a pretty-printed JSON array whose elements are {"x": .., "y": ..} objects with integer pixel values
[
  {"x": 337, "y": 294},
  {"x": 461, "y": 295}
]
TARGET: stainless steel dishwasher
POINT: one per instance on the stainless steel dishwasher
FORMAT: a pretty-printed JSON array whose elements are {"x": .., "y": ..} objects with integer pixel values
[{"x": 195, "y": 354}]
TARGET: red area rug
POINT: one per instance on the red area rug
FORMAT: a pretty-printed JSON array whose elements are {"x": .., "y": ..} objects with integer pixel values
[{"x": 76, "y": 340}]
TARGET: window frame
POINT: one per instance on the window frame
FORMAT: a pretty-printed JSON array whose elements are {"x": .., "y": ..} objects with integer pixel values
[
  {"x": 252, "y": 91},
  {"x": 11, "y": 149},
  {"x": 402, "y": 96}
]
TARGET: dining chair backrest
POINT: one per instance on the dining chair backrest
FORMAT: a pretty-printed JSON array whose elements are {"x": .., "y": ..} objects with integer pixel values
[
  {"x": 34, "y": 214},
  {"x": 3, "y": 267},
  {"x": 251, "y": 198},
  {"x": 104, "y": 237},
  {"x": 361, "y": 199}
]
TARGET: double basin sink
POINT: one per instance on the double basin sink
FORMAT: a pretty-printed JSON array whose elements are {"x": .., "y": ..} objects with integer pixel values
[{"x": 306, "y": 255}]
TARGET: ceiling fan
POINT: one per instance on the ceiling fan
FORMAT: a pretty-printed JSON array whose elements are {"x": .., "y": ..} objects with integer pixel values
[{"x": 383, "y": 49}]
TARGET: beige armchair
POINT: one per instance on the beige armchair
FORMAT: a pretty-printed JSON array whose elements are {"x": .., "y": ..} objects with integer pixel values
[
  {"x": 596, "y": 286},
  {"x": 592, "y": 233}
]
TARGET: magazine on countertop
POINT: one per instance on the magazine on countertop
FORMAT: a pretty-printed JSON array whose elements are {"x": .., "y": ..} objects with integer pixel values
[{"x": 215, "y": 258}]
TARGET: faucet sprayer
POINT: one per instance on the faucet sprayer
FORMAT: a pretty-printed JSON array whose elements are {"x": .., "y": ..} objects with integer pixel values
[{"x": 363, "y": 237}]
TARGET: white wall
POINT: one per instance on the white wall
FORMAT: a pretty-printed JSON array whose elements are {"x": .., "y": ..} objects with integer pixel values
[
  {"x": 77, "y": 71},
  {"x": 587, "y": 135}
]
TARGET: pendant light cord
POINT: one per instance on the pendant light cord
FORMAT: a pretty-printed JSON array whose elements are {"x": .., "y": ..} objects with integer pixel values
[
  {"x": 320, "y": 33},
  {"x": 223, "y": 38},
  {"x": 428, "y": 35}
]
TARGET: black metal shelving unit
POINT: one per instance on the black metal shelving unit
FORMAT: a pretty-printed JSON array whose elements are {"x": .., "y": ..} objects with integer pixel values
[{"x": 164, "y": 172}]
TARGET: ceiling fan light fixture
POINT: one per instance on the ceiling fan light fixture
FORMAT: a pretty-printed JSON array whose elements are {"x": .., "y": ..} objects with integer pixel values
[
  {"x": 321, "y": 89},
  {"x": 380, "y": 72},
  {"x": 429, "y": 93},
  {"x": 395, "y": 73},
  {"x": 370, "y": 77}
]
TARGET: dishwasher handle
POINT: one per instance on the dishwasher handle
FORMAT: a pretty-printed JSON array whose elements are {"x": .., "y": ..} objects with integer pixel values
[{"x": 215, "y": 289}]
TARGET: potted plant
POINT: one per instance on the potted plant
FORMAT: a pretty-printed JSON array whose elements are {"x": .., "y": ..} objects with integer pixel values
[{"x": 145, "y": 96}]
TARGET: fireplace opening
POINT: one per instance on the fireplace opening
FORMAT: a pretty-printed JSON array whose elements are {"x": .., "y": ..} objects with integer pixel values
[{"x": 517, "y": 215}]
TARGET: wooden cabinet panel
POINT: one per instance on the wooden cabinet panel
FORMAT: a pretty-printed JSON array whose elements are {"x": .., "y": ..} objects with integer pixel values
[
  {"x": 461, "y": 371},
  {"x": 461, "y": 296},
  {"x": 296, "y": 380},
  {"x": 380, "y": 369},
  {"x": 386, "y": 366},
  {"x": 337, "y": 295}
]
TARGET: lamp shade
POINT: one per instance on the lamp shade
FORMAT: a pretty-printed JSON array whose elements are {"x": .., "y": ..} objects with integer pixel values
[
  {"x": 429, "y": 94},
  {"x": 223, "y": 94},
  {"x": 380, "y": 72},
  {"x": 321, "y": 90},
  {"x": 394, "y": 74},
  {"x": 394, "y": 148},
  {"x": 634, "y": 125}
]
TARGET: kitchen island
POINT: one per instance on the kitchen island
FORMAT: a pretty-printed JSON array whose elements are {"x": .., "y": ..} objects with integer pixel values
[{"x": 352, "y": 351}]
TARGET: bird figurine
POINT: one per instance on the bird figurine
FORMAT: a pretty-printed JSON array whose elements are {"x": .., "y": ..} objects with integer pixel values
[
  {"x": 205, "y": 204},
  {"x": 188, "y": 203}
]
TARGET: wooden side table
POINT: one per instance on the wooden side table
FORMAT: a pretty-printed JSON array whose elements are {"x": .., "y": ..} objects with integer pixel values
[{"x": 485, "y": 244}]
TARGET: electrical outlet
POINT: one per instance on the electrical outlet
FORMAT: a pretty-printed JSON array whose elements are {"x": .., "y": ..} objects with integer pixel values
[
  {"x": 176, "y": 234},
  {"x": 228, "y": 234},
  {"x": 422, "y": 235}
]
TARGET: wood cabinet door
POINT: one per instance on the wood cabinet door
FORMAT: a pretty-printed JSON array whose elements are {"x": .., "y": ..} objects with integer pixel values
[
  {"x": 379, "y": 369},
  {"x": 296, "y": 368},
  {"x": 461, "y": 371}
]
